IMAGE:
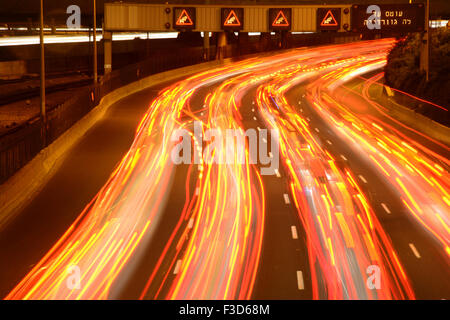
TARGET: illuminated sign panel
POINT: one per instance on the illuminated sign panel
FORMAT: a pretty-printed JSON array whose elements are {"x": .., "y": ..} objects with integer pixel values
[
  {"x": 280, "y": 18},
  {"x": 232, "y": 18},
  {"x": 328, "y": 18},
  {"x": 184, "y": 18},
  {"x": 388, "y": 17}
]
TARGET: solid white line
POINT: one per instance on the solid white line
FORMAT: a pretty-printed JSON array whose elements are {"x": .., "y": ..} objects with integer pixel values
[
  {"x": 385, "y": 207},
  {"x": 286, "y": 198},
  {"x": 191, "y": 223},
  {"x": 329, "y": 142},
  {"x": 300, "y": 283},
  {"x": 177, "y": 267},
  {"x": 277, "y": 173},
  {"x": 294, "y": 232},
  {"x": 343, "y": 157},
  {"x": 414, "y": 250},
  {"x": 362, "y": 179}
]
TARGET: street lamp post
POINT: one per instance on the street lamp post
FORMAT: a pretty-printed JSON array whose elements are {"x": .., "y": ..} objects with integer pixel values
[
  {"x": 43, "y": 111},
  {"x": 95, "y": 44}
]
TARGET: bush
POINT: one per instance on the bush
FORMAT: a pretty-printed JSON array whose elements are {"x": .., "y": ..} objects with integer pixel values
[{"x": 402, "y": 72}]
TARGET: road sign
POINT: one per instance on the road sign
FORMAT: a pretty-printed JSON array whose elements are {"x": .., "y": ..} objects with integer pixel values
[
  {"x": 232, "y": 18},
  {"x": 184, "y": 18},
  {"x": 328, "y": 18},
  {"x": 280, "y": 18},
  {"x": 388, "y": 17}
]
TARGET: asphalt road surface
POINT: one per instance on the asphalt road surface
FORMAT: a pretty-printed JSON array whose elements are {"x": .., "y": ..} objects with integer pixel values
[{"x": 328, "y": 198}]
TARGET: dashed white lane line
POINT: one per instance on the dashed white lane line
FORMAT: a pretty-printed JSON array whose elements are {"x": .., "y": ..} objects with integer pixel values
[
  {"x": 329, "y": 142},
  {"x": 343, "y": 157},
  {"x": 294, "y": 232},
  {"x": 277, "y": 173},
  {"x": 414, "y": 250},
  {"x": 191, "y": 223},
  {"x": 197, "y": 191},
  {"x": 301, "y": 110},
  {"x": 177, "y": 267},
  {"x": 300, "y": 102},
  {"x": 307, "y": 118},
  {"x": 362, "y": 179},
  {"x": 300, "y": 283},
  {"x": 385, "y": 207},
  {"x": 254, "y": 118},
  {"x": 253, "y": 102},
  {"x": 264, "y": 140},
  {"x": 317, "y": 130},
  {"x": 253, "y": 109},
  {"x": 270, "y": 154},
  {"x": 286, "y": 198}
]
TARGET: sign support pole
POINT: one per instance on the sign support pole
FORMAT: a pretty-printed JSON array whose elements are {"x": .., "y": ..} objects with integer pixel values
[{"x": 43, "y": 109}]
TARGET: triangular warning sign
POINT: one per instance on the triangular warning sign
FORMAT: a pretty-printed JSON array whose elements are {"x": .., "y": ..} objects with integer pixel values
[
  {"x": 232, "y": 20},
  {"x": 280, "y": 20},
  {"x": 329, "y": 20},
  {"x": 184, "y": 19}
]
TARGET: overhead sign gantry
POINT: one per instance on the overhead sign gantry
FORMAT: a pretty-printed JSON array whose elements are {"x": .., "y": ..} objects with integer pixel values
[{"x": 123, "y": 16}]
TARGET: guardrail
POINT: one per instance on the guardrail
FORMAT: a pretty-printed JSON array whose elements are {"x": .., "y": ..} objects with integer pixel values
[{"x": 20, "y": 144}]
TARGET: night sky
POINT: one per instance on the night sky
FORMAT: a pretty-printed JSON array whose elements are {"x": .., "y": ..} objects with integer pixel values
[{"x": 18, "y": 9}]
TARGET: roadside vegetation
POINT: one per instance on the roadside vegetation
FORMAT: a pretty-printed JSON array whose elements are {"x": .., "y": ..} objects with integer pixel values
[{"x": 402, "y": 72}]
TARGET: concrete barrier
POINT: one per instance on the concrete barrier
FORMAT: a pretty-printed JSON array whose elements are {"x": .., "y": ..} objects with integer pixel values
[
  {"x": 420, "y": 122},
  {"x": 20, "y": 189}
]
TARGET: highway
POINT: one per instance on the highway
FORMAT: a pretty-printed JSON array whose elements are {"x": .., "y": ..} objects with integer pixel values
[{"x": 356, "y": 192}]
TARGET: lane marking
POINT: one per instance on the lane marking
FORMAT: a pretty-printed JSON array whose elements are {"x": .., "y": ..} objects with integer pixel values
[
  {"x": 317, "y": 130},
  {"x": 307, "y": 118},
  {"x": 299, "y": 102},
  {"x": 254, "y": 118},
  {"x": 253, "y": 102},
  {"x": 286, "y": 198},
  {"x": 329, "y": 142},
  {"x": 385, "y": 207},
  {"x": 191, "y": 223},
  {"x": 300, "y": 283},
  {"x": 414, "y": 250},
  {"x": 301, "y": 110},
  {"x": 362, "y": 178},
  {"x": 253, "y": 109},
  {"x": 277, "y": 173},
  {"x": 177, "y": 267},
  {"x": 197, "y": 191},
  {"x": 294, "y": 232},
  {"x": 343, "y": 157},
  {"x": 264, "y": 140},
  {"x": 270, "y": 154},
  {"x": 259, "y": 129}
]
